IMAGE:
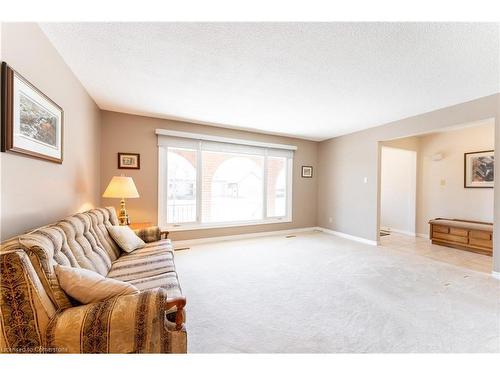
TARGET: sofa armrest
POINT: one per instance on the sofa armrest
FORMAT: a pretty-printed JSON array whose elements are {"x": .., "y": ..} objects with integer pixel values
[
  {"x": 177, "y": 303},
  {"x": 134, "y": 323},
  {"x": 149, "y": 234}
]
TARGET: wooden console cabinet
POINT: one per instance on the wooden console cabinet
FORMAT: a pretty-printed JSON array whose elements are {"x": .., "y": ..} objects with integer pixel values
[{"x": 462, "y": 234}]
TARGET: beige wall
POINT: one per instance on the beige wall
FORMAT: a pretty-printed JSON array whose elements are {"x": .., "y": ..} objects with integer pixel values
[
  {"x": 36, "y": 192},
  {"x": 129, "y": 133},
  {"x": 452, "y": 200},
  {"x": 344, "y": 162}
]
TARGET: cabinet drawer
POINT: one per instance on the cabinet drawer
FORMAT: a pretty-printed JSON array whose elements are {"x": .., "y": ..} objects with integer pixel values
[
  {"x": 440, "y": 229},
  {"x": 480, "y": 235},
  {"x": 481, "y": 243},
  {"x": 459, "y": 232},
  {"x": 449, "y": 237}
]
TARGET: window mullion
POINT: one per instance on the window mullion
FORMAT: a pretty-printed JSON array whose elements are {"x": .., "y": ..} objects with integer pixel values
[
  {"x": 264, "y": 182},
  {"x": 289, "y": 188},
  {"x": 199, "y": 183}
]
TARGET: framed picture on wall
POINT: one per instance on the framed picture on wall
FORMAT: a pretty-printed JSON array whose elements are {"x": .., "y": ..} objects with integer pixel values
[
  {"x": 127, "y": 160},
  {"x": 307, "y": 171},
  {"x": 479, "y": 169},
  {"x": 32, "y": 124}
]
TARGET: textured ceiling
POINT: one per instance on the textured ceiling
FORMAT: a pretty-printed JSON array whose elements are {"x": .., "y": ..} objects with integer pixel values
[{"x": 309, "y": 80}]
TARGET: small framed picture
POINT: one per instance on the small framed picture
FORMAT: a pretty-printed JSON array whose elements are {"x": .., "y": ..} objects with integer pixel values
[
  {"x": 307, "y": 171},
  {"x": 32, "y": 124},
  {"x": 127, "y": 160},
  {"x": 479, "y": 169}
]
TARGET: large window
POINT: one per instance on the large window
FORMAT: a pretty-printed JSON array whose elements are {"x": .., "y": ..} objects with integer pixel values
[
  {"x": 207, "y": 183},
  {"x": 181, "y": 185}
]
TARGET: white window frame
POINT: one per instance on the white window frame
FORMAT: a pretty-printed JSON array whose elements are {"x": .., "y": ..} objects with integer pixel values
[{"x": 163, "y": 182}]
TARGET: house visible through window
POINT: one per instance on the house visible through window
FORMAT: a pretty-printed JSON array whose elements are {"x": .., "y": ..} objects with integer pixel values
[
  {"x": 181, "y": 189},
  {"x": 207, "y": 183}
]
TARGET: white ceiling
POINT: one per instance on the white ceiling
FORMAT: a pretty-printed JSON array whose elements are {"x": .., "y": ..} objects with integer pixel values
[{"x": 308, "y": 80}]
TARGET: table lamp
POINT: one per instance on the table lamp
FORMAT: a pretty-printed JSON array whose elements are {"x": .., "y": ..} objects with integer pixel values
[{"x": 121, "y": 187}]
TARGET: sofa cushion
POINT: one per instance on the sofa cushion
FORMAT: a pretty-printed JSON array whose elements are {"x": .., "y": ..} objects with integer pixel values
[
  {"x": 87, "y": 286},
  {"x": 463, "y": 224},
  {"x": 126, "y": 238},
  {"x": 154, "y": 259},
  {"x": 168, "y": 281},
  {"x": 149, "y": 267}
]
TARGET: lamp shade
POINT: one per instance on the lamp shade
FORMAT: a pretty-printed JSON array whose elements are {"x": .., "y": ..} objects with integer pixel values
[{"x": 121, "y": 187}]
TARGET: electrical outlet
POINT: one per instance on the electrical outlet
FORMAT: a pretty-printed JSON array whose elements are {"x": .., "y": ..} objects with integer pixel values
[
  {"x": 330, "y": 220},
  {"x": 442, "y": 182}
]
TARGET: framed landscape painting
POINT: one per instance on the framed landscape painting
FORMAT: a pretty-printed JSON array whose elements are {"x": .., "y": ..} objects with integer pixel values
[
  {"x": 479, "y": 169},
  {"x": 32, "y": 124}
]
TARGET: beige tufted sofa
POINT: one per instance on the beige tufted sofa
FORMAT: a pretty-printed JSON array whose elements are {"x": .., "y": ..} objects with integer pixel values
[{"x": 36, "y": 315}]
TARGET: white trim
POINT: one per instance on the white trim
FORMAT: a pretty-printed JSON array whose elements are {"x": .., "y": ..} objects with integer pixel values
[
  {"x": 195, "y": 226},
  {"x": 264, "y": 185},
  {"x": 422, "y": 235},
  {"x": 495, "y": 274},
  {"x": 348, "y": 236},
  {"x": 206, "y": 137},
  {"x": 198, "y": 241},
  {"x": 199, "y": 184}
]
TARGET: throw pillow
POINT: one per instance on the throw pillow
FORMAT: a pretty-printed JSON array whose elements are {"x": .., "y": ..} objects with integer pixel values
[
  {"x": 126, "y": 238},
  {"x": 87, "y": 286}
]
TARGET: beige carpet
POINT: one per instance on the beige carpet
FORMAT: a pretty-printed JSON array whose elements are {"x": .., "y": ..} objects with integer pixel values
[{"x": 321, "y": 293}]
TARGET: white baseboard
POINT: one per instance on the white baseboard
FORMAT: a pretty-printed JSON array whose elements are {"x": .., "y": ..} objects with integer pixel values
[
  {"x": 495, "y": 274},
  {"x": 405, "y": 232},
  {"x": 422, "y": 235},
  {"x": 198, "y": 241},
  {"x": 400, "y": 231},
  {"x": 348, "y": 236}
]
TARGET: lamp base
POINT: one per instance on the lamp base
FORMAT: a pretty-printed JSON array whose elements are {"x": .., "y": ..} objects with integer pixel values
[{"x": 123, "y": 218}]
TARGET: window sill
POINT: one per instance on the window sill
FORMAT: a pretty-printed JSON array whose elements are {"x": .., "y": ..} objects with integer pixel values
[{"x": 186, "y": 227}]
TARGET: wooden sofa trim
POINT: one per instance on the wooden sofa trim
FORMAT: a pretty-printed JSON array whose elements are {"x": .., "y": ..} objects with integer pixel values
[{"x": 179, "y": 303}]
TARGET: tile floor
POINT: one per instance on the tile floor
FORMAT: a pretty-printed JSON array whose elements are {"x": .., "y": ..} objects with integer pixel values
[{"x": 423, "y": 247}]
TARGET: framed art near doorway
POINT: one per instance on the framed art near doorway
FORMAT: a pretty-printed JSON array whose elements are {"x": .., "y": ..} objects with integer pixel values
[{"x": 479, "y": 169}]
